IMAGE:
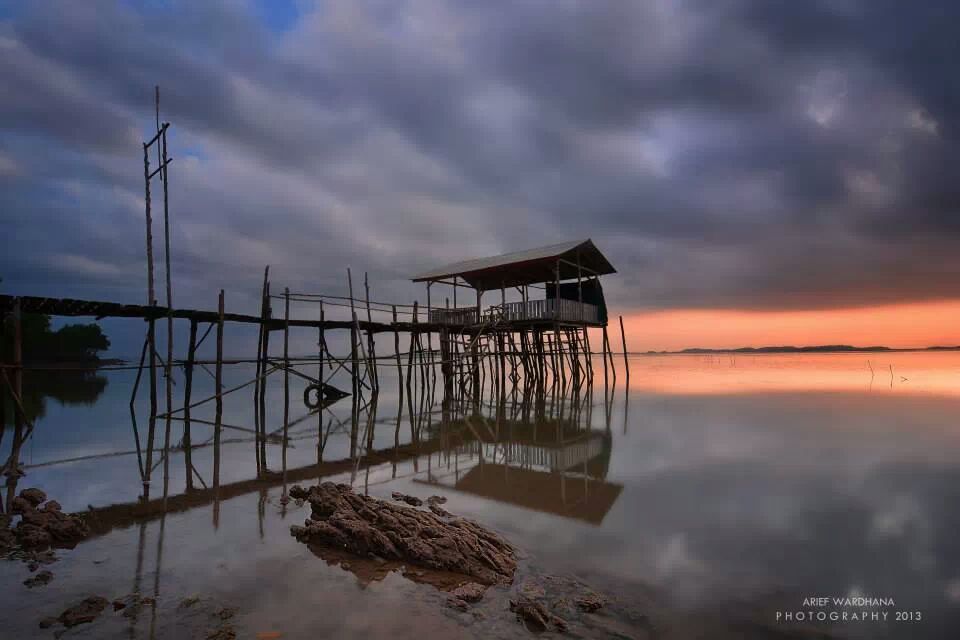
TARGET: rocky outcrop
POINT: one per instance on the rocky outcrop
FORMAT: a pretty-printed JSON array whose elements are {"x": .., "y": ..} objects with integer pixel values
[
  {"x": 41, "y": 525},
  {"x": 368, "y": 526}
]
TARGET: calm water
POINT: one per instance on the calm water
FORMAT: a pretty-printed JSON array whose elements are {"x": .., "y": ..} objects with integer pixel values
[{"x": 715, "y": 493}]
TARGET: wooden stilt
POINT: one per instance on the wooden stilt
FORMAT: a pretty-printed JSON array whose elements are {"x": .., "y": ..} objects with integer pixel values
[
  {"x": 265, "y": 323},
  {"x": 187, "y": 391},
  {"x": 396, "y": 349},
  {"x": 219, "y": 384},
  {"x": 371, "y": 347}
]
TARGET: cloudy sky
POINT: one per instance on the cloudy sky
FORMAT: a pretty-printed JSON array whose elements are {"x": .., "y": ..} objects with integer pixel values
[{"x": 743, "y": 164}]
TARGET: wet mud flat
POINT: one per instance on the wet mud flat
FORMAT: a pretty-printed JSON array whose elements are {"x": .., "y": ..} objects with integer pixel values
[{"x": 402, "y": 566}]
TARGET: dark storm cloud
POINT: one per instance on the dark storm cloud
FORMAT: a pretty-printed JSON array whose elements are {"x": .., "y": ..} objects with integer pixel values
[{"x": 724, "y": 154}]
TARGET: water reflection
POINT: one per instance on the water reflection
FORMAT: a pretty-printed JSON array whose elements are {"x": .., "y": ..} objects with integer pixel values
[{"x": 730, "y": 504}]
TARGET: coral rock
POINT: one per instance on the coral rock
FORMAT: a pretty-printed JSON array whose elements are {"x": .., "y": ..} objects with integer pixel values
[{"x": 363, "y": 525}]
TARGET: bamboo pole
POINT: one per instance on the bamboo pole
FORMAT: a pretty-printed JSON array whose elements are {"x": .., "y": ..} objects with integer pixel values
[
  {"x": 410, "y": 357},
  {"x": 321, "y": 348},
  {"x": 151, "y": 322},
  {"x": 396, "y": 349},
  {"x": 265, "y": 317},
  {"x": 168, "y": 366},
  {"x": 371, "y": 347},
  {"x": 188, "y": 389},
  {"x": 219, "y": 384},
  {"x": 259, "y": 370},
  {"x": 354, "y": 362}
]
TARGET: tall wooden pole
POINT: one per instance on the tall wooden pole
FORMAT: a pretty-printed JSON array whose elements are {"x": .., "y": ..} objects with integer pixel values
[
  {"x": 151, "y": 322},
  {"x": 218, "y": 377},
  {"x": 168, "y": 367}
]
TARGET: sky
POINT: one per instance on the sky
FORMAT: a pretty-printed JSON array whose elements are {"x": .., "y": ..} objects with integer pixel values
[{"x": 758, "y": 172}]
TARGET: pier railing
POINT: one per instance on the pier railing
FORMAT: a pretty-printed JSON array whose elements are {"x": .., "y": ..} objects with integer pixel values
[{"x": 460, "y": 315}]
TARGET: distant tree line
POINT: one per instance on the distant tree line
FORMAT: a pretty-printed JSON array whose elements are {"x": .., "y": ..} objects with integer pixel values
[{"x": 69, "y": 343}]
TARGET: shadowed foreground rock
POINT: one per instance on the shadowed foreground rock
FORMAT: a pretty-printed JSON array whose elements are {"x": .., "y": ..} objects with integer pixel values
[
  {"x": 367, "y": 526},
  {"x": 41, "y": 525}
]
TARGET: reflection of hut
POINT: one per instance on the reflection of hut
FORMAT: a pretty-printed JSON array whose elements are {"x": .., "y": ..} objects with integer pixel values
[{"x": 549, "y": 467}]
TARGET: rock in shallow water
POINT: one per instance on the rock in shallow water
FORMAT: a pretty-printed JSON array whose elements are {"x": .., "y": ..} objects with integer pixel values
[
  {"x": 413, "y": 501},
  {"x": 38, "y": 580},
  {"x": 41, "y": 526},
  {"x": 363, "y": 525},
  {"x": 535, "y": 616},
  {"x": 86, "y": 611}
]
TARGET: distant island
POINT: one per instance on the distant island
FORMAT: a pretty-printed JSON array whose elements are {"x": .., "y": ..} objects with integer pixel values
[
  {"x": 70, "y": 344},
  {"x": 823, "y": 348}
]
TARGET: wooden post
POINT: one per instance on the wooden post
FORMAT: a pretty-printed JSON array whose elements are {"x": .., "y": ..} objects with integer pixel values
[
  {"x": 321, "y": 348},
  {"x": 603, "y": 348},
  {"x": 261, "y": 371},
  {"x": 187, "y": 391},
  {"x": 286, "y": 380},
  {"x": 396, "y": 349},
  {"x": 219, "y": 407},
  {"x": 168, "y": 368},
  {"x": 371, "y": 347},
  {"x": 579, "y": 290},
  {"x": 626, "y": 363},
  {"x": 265, "y": 319},
  {"x": 354, "y": 361},
  {"x": 430, "y": 334},
  {"x": 413, "y": 335},
  {"x": 151, "y": 322}
]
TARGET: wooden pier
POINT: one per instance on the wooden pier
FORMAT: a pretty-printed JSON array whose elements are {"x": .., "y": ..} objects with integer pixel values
[{"x": 537, "y": 347}]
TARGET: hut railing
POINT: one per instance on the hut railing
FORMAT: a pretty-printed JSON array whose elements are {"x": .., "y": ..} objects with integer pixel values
[{"x": 567, "y": 310}]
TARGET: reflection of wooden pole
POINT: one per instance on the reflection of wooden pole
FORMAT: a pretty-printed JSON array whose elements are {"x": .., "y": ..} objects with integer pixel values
[
  {"x": 219, "y": 382},
  {"x": 623, "y": 337},
  {"x": 17, "y": 396},
  {"x": 286, "y": 379},
  {"x": 187, "y": 390},
  {"x": 3, "y": 393}
]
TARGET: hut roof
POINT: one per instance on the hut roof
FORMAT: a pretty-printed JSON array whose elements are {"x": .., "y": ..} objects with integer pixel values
[{"x": 525, "y": 267}]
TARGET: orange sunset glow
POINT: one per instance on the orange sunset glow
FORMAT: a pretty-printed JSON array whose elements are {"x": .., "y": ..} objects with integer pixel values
[{"x": 898, "y": 326}]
